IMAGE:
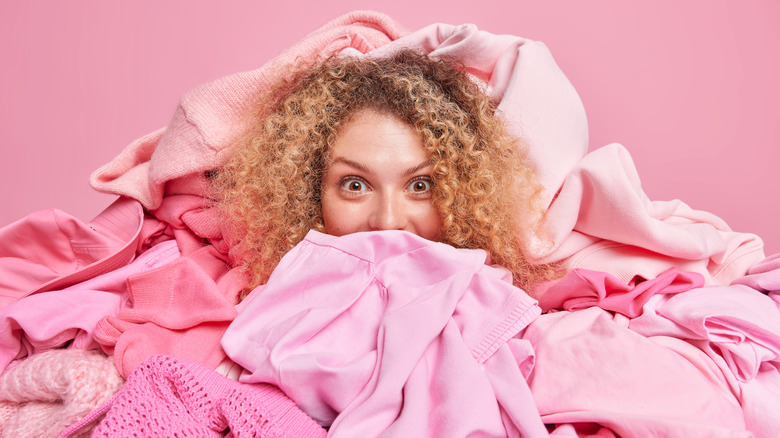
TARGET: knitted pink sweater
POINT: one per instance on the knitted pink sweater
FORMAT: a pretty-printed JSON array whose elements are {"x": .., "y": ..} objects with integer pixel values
[
  {"x": 165, "y": 396},
  {"x": 43, "y": 394}
]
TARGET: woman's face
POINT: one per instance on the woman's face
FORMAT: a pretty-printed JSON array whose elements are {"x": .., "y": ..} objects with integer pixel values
[{"x": 378, "y": 178}]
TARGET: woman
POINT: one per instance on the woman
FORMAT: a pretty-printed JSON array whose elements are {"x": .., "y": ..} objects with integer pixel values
[
  {"x": 310, "y": 162},
  {"x": 377, "y": 191}
]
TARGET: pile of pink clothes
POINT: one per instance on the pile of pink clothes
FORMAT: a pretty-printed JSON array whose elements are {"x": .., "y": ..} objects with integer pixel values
[{"x": 667, "y": 323}]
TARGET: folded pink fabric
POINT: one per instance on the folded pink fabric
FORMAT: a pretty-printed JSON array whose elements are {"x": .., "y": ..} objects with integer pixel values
[
  {"x": 388, "y": 334},
  {"x": 69, "y": 316},
  {"x": 738, "y": 328},
  {"x": 764, "y": 276},
  {"x": 582, "y": 288},
  {"x": 167, "y": 397},
  {"x": 50, "y": 249},
  {"x": 592, "y": 370},
  {"x": 180, "y": 309},
  {"x": 42, "y": 395}
]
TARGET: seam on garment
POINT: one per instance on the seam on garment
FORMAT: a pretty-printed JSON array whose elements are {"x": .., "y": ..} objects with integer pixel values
[
  {"x": 728, "y": 266},
  {"x": 521, "y": 315},
  {"x": 371, "y": 263},
  {"x": 70, "y": 239}
]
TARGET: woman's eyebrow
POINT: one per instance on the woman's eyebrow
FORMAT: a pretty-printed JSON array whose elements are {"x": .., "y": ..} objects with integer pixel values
[
  {"x": 418, "y": 167},
  {"x": 351, "y": 163},
  {"x": 364, "y": 168}
]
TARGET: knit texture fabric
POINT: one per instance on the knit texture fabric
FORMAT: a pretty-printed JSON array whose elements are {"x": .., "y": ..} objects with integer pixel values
[
  {"x": 165, "y": 396},
  {"x": 45, "y": 393}
]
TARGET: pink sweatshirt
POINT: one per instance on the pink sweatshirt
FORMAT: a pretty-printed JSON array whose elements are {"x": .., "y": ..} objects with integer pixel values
[{"x": 388, "y": 334}]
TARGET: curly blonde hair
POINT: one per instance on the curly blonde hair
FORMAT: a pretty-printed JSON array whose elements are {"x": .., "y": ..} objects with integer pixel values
[{"x": 485, "y": 188}]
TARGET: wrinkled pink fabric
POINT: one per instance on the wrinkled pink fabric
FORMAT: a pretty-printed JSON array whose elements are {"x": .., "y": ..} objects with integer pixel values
[
  {"x": 582, "y": 288},
  {"x": 388, "y": 334},
  {"x": 738, "y": 328},
  {"x": 602, "y": 220},
  {"x": 51, "y": 319},
  {"x": 50, "y": 249},
  {"x": 168, "y": 397},
  {"x": 764, "y": 276},
  {"x": 591, "y": 370}
]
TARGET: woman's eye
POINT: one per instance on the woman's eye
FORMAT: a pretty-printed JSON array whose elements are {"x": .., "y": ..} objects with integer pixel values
[
  {"x": 353, "y": 185},
  {"x": 422, "y": 185}
]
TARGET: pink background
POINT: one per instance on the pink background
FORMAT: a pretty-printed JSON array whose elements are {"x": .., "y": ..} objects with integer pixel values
[{"x": 689, "y": 87}]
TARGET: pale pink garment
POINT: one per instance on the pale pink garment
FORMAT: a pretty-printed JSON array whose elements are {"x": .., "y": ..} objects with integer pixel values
[
  {"x": 592, "y": 370},
  {"x": 738, "y": 328},
  {"x": 764, "y": 276},
  {"x": 169, "y": 397},
  {"x": 53, "y": 319},
  {"x": 47, "y": 392},
  {"x": 388, "y": 334}
]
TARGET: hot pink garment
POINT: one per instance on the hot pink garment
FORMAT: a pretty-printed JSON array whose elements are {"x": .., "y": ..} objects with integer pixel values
[
  {"x": 52, "y": 319},
  {"x": 582, "y": 288},
  {"x": 388, "y": 334},
  {"x": 168, "y": 397},
  {"x": 592, "y": 370},
  {"x": 180, "y": 309}
]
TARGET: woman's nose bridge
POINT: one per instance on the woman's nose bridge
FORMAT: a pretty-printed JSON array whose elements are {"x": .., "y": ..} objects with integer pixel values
[{"x": 389, "y": 212}]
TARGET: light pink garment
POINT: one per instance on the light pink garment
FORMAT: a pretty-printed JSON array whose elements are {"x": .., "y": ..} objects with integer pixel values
[
  {"x": 738, "y": 328},
  {"x": 764, "y": 276},
  {"x": 50, "y": 249},
  {"x": 387, "y": 334},
  {"x": 210, "y": 117},
  {"x": 592, "y": 370},
  {"x": 47, "y": 392},
  {"x": 602, "y": 220},
  {"x": 51, "y": 319}
]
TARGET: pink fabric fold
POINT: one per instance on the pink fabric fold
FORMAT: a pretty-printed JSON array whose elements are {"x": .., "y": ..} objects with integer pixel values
[
  {"x": 50, "y": 249},
  {"x": 387, "y": 334},
  {"x": 738, "y": 328},
  {"x": 582, "y": 288},
  {"x": 602, "y": 220},
  {"x": 69, "y": 316},
  {"x": 180, "y": 310},
  {"x": 592, "y": 370}
]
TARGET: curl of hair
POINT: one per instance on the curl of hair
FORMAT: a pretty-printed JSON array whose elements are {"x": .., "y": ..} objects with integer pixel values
[{"x": 485, "y": 188}]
